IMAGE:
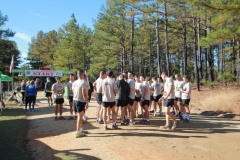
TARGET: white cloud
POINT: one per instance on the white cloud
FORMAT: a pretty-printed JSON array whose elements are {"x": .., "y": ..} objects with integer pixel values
[{"x": 23, "y": 36}]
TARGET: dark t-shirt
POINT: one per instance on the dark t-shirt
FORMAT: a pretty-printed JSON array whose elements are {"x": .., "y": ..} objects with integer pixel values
[{"x": 123, "y": 90}]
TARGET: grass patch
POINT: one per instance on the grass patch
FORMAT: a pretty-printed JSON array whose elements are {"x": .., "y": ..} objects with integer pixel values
[{"x": 13, "y": 131}]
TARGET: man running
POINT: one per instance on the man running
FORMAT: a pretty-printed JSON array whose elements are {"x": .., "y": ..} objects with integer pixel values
[
  {"x": 169, "y": 100},
  {"x": 70, "y": 94},
  {"x": 121, "y": 96},
  {"x": 97, "y": 84},
  {"x": 131, "y": 97},
  {"x": 80, "y": 100},
  {"x": 157, "y": 95},
  {"x": 145, "y": 99},
  {"x": 178, "y": 85},
  {"x": 58, "y": 91},
  {"x": 48, "y": 91},
  {"x": 109, "y": 90},
  {"x": 186, "y": 95}
]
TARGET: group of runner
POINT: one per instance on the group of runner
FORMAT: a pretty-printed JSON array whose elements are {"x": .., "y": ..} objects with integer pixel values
[{"x": 126, "y": 92}]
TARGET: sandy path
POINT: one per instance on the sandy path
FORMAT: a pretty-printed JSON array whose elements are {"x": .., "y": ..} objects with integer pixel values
[{"x": 205, "y": 138}]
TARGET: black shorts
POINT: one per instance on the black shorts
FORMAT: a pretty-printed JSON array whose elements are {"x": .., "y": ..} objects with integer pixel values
[
  {"x": 138, "y": 99},
  {"x": 30, "y": 99},
  {"x": 121, "y": 103},
  {"x": 130, "y": 101},
  {"x": 169, "y": 103},
  {"x": 99, "y": 98},
  {"x": 178, "y": 99},
  {"x": 48, "y": 94},
  {"x": 79, "y": 106},
  {"x": 59, "y": 101},
  {"x": 156, "y": 98},
  {"x": 70, "y": 98},
  {"x": 151, "y": 98},
  {"x": 108, "y": 104},
  {"x": 145, "y": 103},
  {"x": 185, "y": 102}
]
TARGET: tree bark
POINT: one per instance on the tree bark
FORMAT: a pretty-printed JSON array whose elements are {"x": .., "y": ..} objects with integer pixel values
[
  {"x": 196, "y": 54},
  {"x": 158, "y": 43},
  {"x": 184, "y": 53},
  {"x": 166, "y": 38},
  {"x": 210, "y": 57},
  {"x": 199, "y": 50},
  {"x": 132, "y": 39}
]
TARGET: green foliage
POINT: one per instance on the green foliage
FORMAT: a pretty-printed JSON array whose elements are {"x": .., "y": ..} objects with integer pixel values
[
  {"x": 225, "y": 77},
  {"x": 8, "y": 48}
]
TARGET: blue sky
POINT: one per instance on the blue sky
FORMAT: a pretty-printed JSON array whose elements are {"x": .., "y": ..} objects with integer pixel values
[{"x": 27, "y": 17}]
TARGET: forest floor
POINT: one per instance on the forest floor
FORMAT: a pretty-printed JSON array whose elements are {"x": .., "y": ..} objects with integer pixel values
[{"x": 208, "y": 136}]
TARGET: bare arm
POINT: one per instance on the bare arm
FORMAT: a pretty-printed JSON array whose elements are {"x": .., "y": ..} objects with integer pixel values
[{"x": 85, "y": 96}]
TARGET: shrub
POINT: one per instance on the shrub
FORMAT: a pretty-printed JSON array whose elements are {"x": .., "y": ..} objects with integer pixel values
[{"x": 225, "y": 77}]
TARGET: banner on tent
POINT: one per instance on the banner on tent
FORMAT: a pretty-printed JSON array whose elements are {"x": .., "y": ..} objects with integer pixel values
[{"x": 43, "y": 73}]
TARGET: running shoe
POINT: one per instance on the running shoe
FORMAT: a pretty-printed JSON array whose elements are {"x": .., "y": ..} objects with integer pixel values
[
  {"x": 166, "y": 127},
  {"x": 71, "y": 118},
  {"x": 79, "y": 135},
  {"x": 123, "y": 124},
  {"x": 61, "y": 118},
  {"x": 146, "y": 122},
  {"x": 56, "y": 118},
  {"x": 132, "y": 122},
  {"x": 152, "y": 111},
  {"x": 106, "y": 128},
  {"x": 175, "y": 125},
  {"x": 114, "y": 126}
]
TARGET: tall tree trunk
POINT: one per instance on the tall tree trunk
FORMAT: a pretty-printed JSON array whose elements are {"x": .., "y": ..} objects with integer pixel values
[
  {"x": 222, "y": 57},
  {"x": 234, "y": 71},
  {"x": 238, "y": 61},
  {"x": 210, "y": 56},
  {"x": 218, "y": 57},
  {"x": 149, "y": 60},
  {"x": 196, "y": 55},
  {"x": 166, "y": 38},
  {"x": 132, "y": 39},
  {"x": 158, "y": 43},
  {"x": 184, "y": 53},
  {"x": 199, "y": 50}
]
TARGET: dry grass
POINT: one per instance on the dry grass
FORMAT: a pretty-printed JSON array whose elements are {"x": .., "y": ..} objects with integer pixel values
[{"x": 220, "y": 99}]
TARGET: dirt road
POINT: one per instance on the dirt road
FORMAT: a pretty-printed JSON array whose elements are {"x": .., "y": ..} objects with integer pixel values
[{"x": 204, "y": 138}]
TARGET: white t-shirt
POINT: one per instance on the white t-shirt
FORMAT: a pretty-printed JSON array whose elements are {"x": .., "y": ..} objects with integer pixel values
[
  {"x": 146, "y": 96},
  {"x": 177, "y": 86},
  {"x": 131, "y": 83},
  {"x": 167, "y": 84},
  {"x": 77, "y": 88},
  {"x": 187, "y": 87},
  {"x": 98, "y": 83},
  {"x": 108, "y": 86},
  {"x": 58, "y": 89},
  {"x": 138, "y": 89},
  {"x": 157, "y": 87},
  {"x": 69, "y": 87}
]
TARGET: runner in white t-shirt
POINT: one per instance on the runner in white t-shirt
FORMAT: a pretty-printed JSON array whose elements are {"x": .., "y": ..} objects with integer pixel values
[
  {"x": 109, "y": 91},
  {"x": 169, "y": 100},
  {"x": 186, "y": 95},
  {"x": 157, "y": 95},
  {"x": 70, "y": 94},
  {"x": 98, "y": 94},
  {"x": 145, "y": 99},
  {"x": 80, "y": 101},
  {"x": 131, "y": 97},
  {"x": 137, "y": 100},
  {"x": 178, "y": 84}
]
